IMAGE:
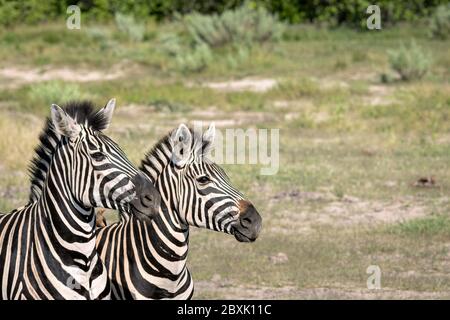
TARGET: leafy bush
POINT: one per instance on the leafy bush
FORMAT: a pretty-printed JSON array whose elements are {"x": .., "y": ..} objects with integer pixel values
[
  {"x": 244, "y": 25},
  {"x": 353, "y": 12},
  {"x": 238, "y": 30},
  {"x": 294, "y": 11},
  {"x": 9, "y": 12},
  {"x": 410, "y": 62},
  {"x": 188, "y": 58},
  {"x": 129, "y": 26},
  {"x": 195, "y": 60},
  {"x": 440, "y": 22},
  {"x": 102, "y": 37},
  {"x": 171, "y": 44}
]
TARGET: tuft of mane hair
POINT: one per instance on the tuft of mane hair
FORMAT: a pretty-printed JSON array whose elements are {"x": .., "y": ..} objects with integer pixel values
[
  {"x": 154, "y": 155},
  {"x": 165, "y": 140},
  {"x": 85, "y": 114}
]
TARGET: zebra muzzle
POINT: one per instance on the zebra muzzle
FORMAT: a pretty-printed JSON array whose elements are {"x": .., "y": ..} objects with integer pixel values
[
  {"x": 248, "y": 226},
  {"x": 147, "y": 202}
]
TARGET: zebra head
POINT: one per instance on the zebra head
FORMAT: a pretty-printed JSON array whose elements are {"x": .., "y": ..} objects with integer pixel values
[
  {"x": 99, "y": 172},
  {"x": 201, "y": 193}
]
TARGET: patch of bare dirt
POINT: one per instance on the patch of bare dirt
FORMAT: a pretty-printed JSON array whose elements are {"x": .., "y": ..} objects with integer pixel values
[
  {"x": 326, "y": 83},
  {"x": 209, "y": 288},
  {"x": 247, "y": 84},
  {"x": 15, "y": 76},
  {"x": 379, "y": 95},
  {"x": 166, "y": 121},
  {"x": 236, "y": 118},
  {"x": 325, "y": 208}
]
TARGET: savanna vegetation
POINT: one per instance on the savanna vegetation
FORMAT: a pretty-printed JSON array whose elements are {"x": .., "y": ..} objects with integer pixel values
[{"x": 364, "y": 119}]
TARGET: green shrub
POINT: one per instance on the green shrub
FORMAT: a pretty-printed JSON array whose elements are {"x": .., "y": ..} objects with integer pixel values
[
  {"x": 440, "y": 22},
  {"x": 237, "y": 30},
  {"x": 410, "y": 62},
  {"x": 9, "y": 12},
  {"x": 102, "y": 37},
  {"x": 293, "y": 11},
  {"x": 170, "y": 44},
  {"x": 353, "y": 12},
  {"x": 188, "y": 58},
  {"x": 128, "y": 25},
  {"x": 244, "y": 25},
  {"x": 196, "y": 59}
]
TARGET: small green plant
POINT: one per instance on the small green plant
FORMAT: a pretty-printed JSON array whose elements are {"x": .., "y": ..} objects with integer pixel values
[
  {"x": 170, "y": 44},
  {"x": 440, "y": 22},
  {"x": 196, "y": 59},
  {"x": 427, "y": 226},
  {"x": 233, "y": 31},
  {"x": 188, "y": 57},
  {"x": 410, "y": 62},
  {"x": 244, "y": 25},
  {"x": 134, "y": 30},
  {"x": 46, "y": 93}
]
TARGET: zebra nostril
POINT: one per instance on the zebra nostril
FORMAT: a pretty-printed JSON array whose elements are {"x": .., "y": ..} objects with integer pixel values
[
  {"x": 246, "y": 222},
  {"x": 147, "y": 201}
]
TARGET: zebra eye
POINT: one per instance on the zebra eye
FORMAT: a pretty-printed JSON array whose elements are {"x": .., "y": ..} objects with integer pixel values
[
  {"x": 203, "y": 179},
  {"x": 99, "y": 156}
]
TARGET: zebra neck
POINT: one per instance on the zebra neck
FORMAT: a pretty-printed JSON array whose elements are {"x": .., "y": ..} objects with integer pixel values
[
  {"x": 165, "y": 251},
  {"x": 64, "y": 239},
  {"x": 157, "y": 167},
  {"x": 65, "y": 218}
]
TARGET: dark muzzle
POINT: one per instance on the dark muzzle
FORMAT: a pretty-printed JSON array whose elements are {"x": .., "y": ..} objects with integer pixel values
[
  {"x": 248, "y": 226},
  {"x": 148, "y": 200}
]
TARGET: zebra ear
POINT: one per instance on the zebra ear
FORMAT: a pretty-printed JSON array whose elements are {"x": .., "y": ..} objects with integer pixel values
[
  {"x": 106, "y": 114},
  {"x": 64, "y": 124},
  {"x": 208, "y": 138},
  {"x": 181, "y": 141}
]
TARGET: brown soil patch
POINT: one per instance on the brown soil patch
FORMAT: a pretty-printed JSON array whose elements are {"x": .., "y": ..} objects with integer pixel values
[
  {"x": 208, "y": 288},
  {"x": 323, "y": 208},
  {"x": 14, "y": 76},
  {"x": 247, "y": 84}
]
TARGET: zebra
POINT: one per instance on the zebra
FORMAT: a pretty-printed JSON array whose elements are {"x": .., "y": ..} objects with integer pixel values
[
  {"x": 47, "y": 247},
  {"x": 147, "y": 260}
]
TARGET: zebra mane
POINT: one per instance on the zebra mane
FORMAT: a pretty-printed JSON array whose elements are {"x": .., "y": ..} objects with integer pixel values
[
  {"x": 160, "y": 154},
  {"x": 155, "y": 151},
  {"x": 84, "y": 113}
]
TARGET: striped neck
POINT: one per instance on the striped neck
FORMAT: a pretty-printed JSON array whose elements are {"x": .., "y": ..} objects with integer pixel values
[
  {"x": 168, "y": 232},
  {"x": 157, "y": 166},
  {"x": 69, "y": 232}
]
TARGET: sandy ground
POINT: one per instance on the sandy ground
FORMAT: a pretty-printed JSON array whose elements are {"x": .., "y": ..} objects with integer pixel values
[
  {"x": 344, "y": 211},
  {"x": 210, "y": 288},
  {"x": 246, "y": 84},
  {"x": 12, "y": 77}
]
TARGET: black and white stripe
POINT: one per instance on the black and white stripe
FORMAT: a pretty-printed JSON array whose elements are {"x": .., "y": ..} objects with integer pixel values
[{"x": 47, "y": 248}]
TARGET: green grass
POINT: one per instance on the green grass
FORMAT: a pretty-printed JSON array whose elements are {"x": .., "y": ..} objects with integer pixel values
[
  {"x": 343, "y": 132},
  {"x": 434, "y": 225}
]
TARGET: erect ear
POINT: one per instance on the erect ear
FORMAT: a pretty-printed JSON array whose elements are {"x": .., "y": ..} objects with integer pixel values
[
  {"x": 181, "y": 141},
  {"x": 64, "y": 124},
  {"x": 105, "y": 114},
  {"x": 208, "y": 139}
]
